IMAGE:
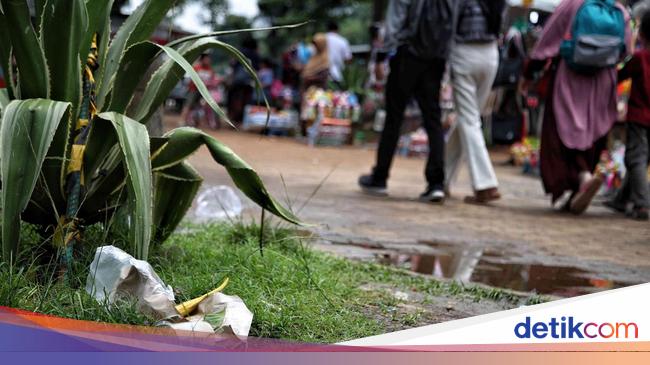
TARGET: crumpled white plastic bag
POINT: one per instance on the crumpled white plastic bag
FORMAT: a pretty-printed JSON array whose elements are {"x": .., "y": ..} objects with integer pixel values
[
  {"x": 114, "y": 274},
  {"x": 218, "y": 313}
]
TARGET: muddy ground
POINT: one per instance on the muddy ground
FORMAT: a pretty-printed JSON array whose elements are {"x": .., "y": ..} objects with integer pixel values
[{"x": 519, "y": 243}]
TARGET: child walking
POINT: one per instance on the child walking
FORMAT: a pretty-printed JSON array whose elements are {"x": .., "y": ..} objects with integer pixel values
[{"x": 638, "y": 124}]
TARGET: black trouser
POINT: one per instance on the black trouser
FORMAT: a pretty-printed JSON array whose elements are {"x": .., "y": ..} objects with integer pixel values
[
  {"x": 637, "y": 156},
  {"x": 413, "y": 77}
]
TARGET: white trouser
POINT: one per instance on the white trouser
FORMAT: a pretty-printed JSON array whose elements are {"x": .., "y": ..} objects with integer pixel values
[{"x": 473, "y": 69}]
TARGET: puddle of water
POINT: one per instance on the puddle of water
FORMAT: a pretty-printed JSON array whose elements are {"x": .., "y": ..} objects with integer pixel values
[{"x": 475, "y": 264}]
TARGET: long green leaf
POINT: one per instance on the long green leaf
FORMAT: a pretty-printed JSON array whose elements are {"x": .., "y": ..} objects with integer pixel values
[
  {"x": 104, "y": 181},
  {"x": 61, "y": 41},
  {"x": 28, "y": 128},
  {"x": 105, "y": 191},
  {"x": 196, "y": 79},
  {"x": 4, "y": 100},
  {"x": 231, "y": 32},
  {"x": 249, "y": 68},
  {"x": 133, "y": 67},
  {"x": 174, "y": 191},
  {"x": 39, "y": 6},
  {"x": 185, "y": 141},
  {"x": 98, "y": 23},
  {"x": 5, "y": 54},
  {"x": 168, "y": 75},
  {"x": 163, "y": 81},
  {"x": 32, "y": 66},
  {"x": 134, "y": 143},
  {"x": 138, "y": 27}
]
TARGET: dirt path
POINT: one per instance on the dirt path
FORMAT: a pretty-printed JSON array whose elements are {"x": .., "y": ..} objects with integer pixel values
[{"x": 521, "y": 227}]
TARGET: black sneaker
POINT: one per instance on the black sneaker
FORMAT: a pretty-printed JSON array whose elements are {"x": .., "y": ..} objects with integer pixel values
[
  {"x": 371, "y": 186},
  {"x": 433, "y": 195}
]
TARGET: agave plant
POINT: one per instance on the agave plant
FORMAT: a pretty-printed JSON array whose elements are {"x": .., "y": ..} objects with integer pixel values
[{"x": 74, "y": 149}]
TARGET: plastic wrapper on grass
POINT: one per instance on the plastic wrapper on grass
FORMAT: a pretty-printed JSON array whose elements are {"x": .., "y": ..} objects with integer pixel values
[
  {"x": 115, "y": 274},
  {"x": 219, "y": 313}
]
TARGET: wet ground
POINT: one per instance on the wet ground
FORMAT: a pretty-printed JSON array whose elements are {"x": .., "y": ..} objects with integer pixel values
[
  {"x": 519, "y": 243},
  {"x": 490, "y": 267}
]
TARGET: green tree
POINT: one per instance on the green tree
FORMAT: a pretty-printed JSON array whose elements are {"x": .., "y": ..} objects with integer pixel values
[{"x": 354, "y": 18}]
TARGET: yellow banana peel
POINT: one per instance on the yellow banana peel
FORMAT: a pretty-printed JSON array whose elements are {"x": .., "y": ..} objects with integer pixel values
[{"x": 185, "y": 308}]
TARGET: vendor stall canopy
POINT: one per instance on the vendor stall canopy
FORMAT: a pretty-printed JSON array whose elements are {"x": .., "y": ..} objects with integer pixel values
[{"x": 545, "y": 5}]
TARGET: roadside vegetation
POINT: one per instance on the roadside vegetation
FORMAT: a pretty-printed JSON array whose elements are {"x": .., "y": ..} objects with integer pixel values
[{"x": 295, "y": 293}]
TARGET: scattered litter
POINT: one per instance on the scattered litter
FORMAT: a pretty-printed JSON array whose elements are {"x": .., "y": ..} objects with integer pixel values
[
  {"x": 216, "y": 313},
  {"x": 400, "y": 295},
  {"x": 218, "y": 203},
  {"x": 114, "y": 274},
  {"x": 185, "y": 309}
]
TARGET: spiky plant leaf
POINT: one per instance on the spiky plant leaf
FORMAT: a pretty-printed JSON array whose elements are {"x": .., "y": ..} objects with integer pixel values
[
  {"x": 174, "y": 191},
  {"x": 39, "y": 5},
  {"x": 138, "y": 27},
  {"x": 5, "y": 54},
  {"x": 33, "y": 73},
  {"x": 99, "y": 22},
  {"x": 133, "y": 67},
  {"x": 61, "y": 41},
  {"x": 4, "y": 100},
  {"x": 134, "y": 144},
  {"x": 172, "y": 71},
  {"x": 220, "y": 33},
  {"x": 196, "y": 79},
  {"x": 28, "y": 128},
  {"x": 185, "y": 141}
]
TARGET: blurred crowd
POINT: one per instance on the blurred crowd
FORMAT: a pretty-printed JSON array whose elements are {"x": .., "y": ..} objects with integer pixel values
[
  {"x": 318, "y": 62},
  {"x": 555, "y": 73}
]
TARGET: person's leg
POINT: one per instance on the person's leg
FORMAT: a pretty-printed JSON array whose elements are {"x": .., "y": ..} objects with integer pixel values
[
  {"x": 487, "y": 178},
  {"x": 427, "y": 95},
  {"x": 399, "y": 88},
  {"x": 469, "y": 91},
  {"x": 622, "y": 197},
  {"x": 583, "y": 182},
  {"x": 190, "y": 103},
  {"x": 636, "y": 162},
  {"x": 453, "y": 156}
]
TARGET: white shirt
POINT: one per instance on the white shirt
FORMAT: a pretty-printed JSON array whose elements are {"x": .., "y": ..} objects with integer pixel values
[{"x": 339, "y": 53}]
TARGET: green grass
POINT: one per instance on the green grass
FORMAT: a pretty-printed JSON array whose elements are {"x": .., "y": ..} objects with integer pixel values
[{"x": 294, "y": 292}]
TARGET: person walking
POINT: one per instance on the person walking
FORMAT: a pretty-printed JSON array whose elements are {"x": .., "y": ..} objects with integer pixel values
[
  {"x": 637, "y": 155},
  {"x": 242, "y": 86},
  {"x": 421, "y": 31},
  {"x": 339, "y": 51},
  {"x": 583, "y": 41},
  {"x": 474, "y": 63}
]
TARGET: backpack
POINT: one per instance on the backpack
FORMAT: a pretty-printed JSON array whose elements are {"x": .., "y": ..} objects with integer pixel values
[
  {"x": 434, "y": 29},
  {"x": 597, "y": 38}
]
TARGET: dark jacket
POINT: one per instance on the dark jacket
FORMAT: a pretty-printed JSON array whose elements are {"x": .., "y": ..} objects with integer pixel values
[
  {"x": 479, "y": 21},
  {"x": 402, "y": 21},
  {"x": 638, "y": 69},
  {"x": 494, "y": 10}
]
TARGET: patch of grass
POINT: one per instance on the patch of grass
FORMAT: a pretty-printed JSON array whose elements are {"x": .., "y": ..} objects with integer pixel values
[{"x": 294, "y": 292}]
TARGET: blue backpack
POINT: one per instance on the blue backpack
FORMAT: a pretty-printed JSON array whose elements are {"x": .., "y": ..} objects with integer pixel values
[{"x": 597, "y": 37}]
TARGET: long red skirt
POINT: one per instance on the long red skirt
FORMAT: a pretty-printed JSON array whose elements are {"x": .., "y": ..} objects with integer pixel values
[{"x": 561, "y": 166}]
